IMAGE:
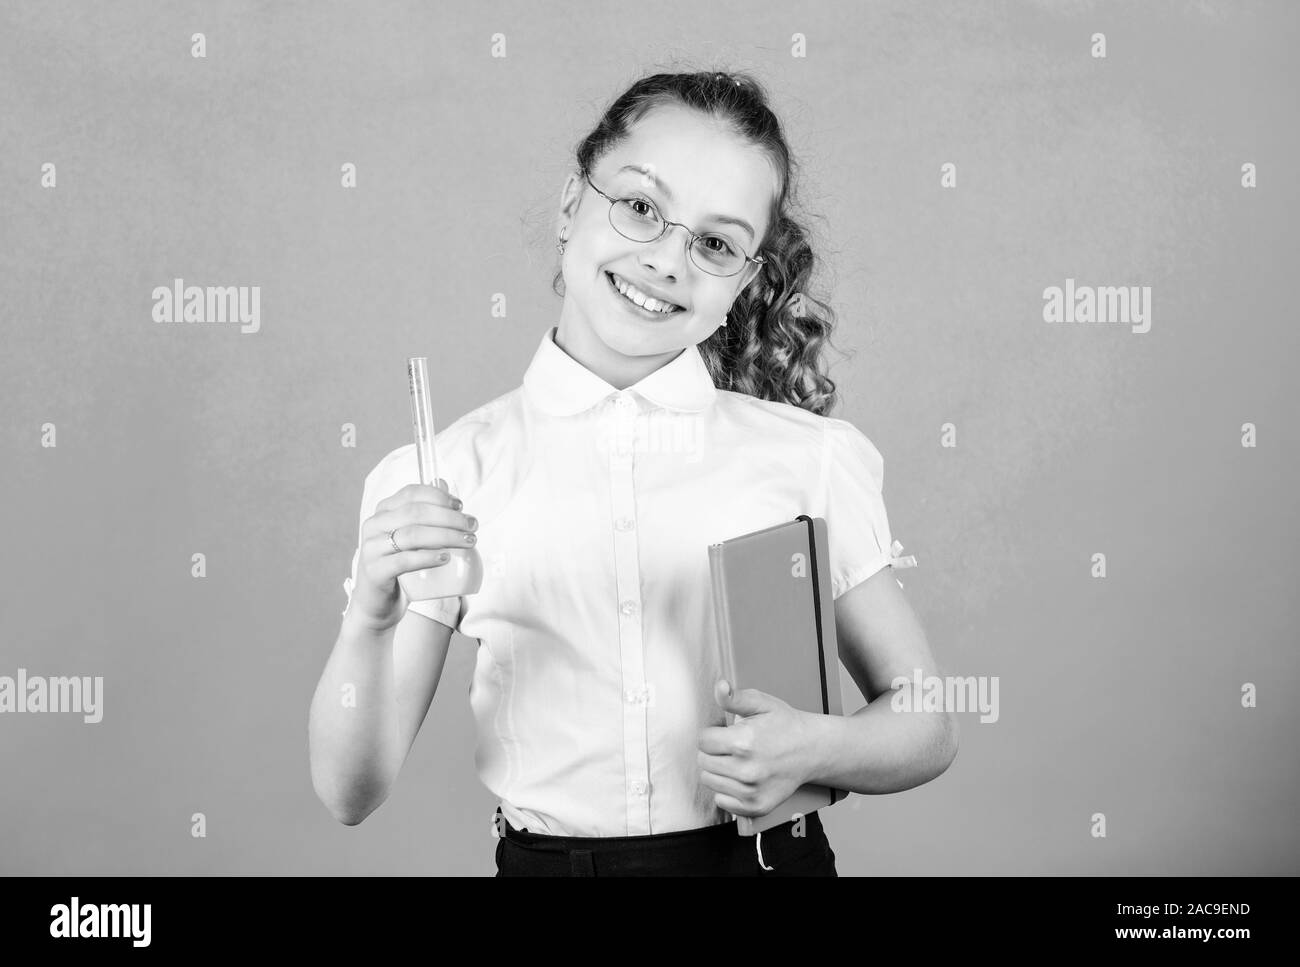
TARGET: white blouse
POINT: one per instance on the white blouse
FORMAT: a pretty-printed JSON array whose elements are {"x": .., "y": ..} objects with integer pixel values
[{"x": 597, "y": 654}]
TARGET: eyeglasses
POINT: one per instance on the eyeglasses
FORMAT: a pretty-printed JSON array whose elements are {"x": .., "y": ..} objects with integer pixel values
[{"x": 647, "y": 225}]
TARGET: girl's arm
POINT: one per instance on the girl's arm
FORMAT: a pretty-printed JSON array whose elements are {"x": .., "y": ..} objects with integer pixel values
[
  {"x": 367, "y": 709},
  {"x": 878, "y": 749}
]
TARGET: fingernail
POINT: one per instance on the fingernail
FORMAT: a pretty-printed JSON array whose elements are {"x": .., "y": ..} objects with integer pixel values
[
  {"x": 473, "y": 523},
  {"x": 443, "y": 557},
  {"x": 470, "y": 538},
  {"x": 456, "y": 504}
]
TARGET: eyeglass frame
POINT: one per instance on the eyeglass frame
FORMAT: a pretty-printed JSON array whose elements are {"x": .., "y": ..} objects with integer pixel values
[{"x": 690, "y": 244}]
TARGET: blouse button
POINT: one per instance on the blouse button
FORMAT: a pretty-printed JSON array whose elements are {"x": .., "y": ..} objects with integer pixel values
[
  {"x": 638, "y": 787},
  {"x": 628, "y": 607},
  {"x": 624, "y": 523}
]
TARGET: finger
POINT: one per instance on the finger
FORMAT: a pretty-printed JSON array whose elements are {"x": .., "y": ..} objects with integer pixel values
[
  {"x": 425, "y": 512},
  {"x": 717, "y": 740},
  {"x": 733, "y": 768},
  {"x": 383, "y": 564},
  {"x": 445, "y": 516},
  {"x": 424, "y": 492},
  {"x": 419, "y": 537},
  {"x": 421, "y": 512},
  {"x": 746, "y": 701},
  {"x": 410, "y": 540},
  {"x": 733, "y": 805},
  {"x": 727, "y": 786}
]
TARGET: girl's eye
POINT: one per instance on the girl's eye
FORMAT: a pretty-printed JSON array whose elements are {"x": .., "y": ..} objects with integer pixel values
[
  {"x": 723, "y": 247},
  {"x": 713, "y": 244},
  {"x": 633, "y": 202}
]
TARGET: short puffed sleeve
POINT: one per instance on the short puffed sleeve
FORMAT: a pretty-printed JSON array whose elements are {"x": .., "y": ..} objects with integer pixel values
[
  {"x": 389, "y": 476},
  {"x": 853, "y": 474}
]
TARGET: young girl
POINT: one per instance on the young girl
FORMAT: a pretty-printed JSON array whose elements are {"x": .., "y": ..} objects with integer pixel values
[{"x": 679, "y": 402}]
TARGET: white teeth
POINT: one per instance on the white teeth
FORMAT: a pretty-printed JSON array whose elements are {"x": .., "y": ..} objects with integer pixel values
[{"x": 640, "y": 298}]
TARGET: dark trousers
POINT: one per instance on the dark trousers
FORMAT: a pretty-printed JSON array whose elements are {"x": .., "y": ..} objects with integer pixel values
[{"x": 710, "y": 851}]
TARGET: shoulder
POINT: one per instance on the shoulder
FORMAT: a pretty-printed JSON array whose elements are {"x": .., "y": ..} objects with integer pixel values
[
  {"x": 780, "y": 420},
  {"x": 817, "y": 436},
  {"x": 465, "y": 448}
]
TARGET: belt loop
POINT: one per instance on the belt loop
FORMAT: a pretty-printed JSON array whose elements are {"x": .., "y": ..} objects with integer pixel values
[
  {"x": 580, "y": 863},
  {"x": 758, "y": 846}
]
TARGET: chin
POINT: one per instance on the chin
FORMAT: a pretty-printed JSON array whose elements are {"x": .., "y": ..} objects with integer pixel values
[{"x": 632, "y": 337}]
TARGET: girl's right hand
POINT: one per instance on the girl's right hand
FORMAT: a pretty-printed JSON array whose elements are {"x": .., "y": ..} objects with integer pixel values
[{"x": 426, "y": 522}]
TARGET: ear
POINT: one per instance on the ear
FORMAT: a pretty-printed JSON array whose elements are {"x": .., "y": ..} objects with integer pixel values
[
  {"x": 571, "y": 194},
  {"x": 748, "y": 276}
]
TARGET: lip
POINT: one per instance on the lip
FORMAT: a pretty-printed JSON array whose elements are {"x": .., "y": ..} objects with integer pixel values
[{"x": 609, "y": 277}]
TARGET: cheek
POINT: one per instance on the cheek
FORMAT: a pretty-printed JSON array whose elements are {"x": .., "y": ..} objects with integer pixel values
[
  {"x": 710, "y": 309},
  {"x": 705, "y": 298}
]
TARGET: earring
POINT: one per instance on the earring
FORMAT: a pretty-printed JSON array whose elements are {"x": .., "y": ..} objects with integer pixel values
[{"x": 560, "y": 244}]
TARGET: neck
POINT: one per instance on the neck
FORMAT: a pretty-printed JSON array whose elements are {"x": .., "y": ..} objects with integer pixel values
[{"x": 620, "y": 371}]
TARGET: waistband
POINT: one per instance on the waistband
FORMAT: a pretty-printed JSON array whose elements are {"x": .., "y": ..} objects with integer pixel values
[{"x": 717, "y": 833}]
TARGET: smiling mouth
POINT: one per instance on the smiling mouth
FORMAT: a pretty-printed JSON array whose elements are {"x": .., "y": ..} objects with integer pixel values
[{"x": 609, "y": 277}]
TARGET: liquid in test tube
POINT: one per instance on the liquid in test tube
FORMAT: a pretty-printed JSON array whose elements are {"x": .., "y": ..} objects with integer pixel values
[{"x": 463, "y": 572}]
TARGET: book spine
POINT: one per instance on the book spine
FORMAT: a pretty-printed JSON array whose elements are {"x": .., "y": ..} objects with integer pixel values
[
  {"x": 726, "y": 652},
  {"x": 835, "y": 794},
  {"x": 722, "y": 616},
  {"x": 817, "y": 609}
]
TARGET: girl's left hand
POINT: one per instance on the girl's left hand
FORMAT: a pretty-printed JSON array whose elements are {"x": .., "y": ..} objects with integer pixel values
[{"x": 758, "y": 762}]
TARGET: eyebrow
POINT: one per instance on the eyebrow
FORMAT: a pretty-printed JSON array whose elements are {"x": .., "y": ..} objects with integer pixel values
[{"x": 669, "y": 195}]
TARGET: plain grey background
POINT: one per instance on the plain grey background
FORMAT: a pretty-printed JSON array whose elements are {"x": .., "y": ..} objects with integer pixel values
[{"x": 1118, "y": 695}]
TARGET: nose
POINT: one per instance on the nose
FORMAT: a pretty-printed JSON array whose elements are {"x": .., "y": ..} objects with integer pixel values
[{"x": 667, "y": 254}]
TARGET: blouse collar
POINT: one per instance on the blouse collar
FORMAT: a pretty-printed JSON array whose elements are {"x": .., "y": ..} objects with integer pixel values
[{"x": 559, "y": 385}]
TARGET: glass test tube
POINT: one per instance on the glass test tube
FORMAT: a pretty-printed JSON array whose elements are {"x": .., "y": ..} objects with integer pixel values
[
  {"x": 463, "y": 573},
  {"x": 417, "y": 371}
]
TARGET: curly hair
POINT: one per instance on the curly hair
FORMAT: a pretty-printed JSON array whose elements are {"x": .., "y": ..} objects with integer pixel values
[{"x": 776, "y": 332}]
